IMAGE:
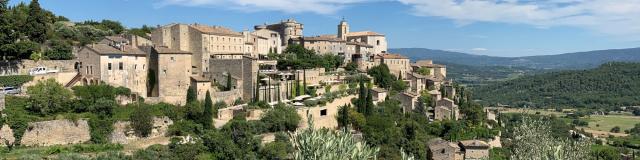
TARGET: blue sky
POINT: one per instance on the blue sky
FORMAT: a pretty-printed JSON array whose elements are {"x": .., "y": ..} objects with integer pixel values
[{"x": 489, "y": 27}]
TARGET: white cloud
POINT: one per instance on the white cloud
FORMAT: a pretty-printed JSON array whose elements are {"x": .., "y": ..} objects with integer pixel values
[
  {"x": 287, "y": 6},
  {"x": 611, "y": 17},
  {"x": 479, "y": 49}
]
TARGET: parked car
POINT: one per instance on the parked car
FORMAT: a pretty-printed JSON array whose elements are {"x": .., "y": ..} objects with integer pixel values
[
  {"x": 10, "y": 90},
  {"x": 41, "y": 70}
]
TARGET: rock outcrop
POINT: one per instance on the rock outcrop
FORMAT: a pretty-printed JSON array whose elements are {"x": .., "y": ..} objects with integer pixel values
[
  {"x": 6, "y": 136},
  {"x": 124, "y": 134},
  {"x": 56, "y": 132}
]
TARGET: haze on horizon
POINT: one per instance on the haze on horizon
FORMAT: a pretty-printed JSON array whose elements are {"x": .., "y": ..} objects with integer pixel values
[{"x": 505, "y": 28}]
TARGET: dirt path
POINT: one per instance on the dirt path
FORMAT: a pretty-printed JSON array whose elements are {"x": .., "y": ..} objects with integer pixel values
[{"x": 144, "y": 143}]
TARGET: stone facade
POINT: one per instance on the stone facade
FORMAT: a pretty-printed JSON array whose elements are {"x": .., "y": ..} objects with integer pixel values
[
  {"x": 1, "y": 102},
  {"x": 475, "y": 149},
  {"x": 326, "y": 44},
  {"x": 444, "y": 150},
  {"x": 172, "y": 70},
  {"x": 274, "y": 42},
  {"x": 201, "y": 40},
  {"x": 124, "y": 134},
  {"x": 115, "y": 64},
  {"x": 56, "y": 132},
  {"x": 323, "y": 116},
  {"x": 288, "y": 29},
  {"x": 408, "y": 100},
  {"x": 243, "y": 67},
  {"x": 398, "y": 65},
  {"x": 201, "y": 85},
  {"x": 379, "y": 94},
  {"x": 446, "y": 109}
]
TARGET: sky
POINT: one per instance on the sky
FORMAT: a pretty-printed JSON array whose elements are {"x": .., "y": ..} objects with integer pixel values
[{"x": 507, "y": 28}]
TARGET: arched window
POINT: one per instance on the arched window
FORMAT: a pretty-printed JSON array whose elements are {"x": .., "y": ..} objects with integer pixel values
[{"x": 378, "y": 42}]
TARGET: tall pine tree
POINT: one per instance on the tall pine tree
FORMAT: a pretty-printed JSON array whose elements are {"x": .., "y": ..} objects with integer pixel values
[
  {"x": 369, "y": 103},
  {"x": 343, "y": 116},
  {"x": 361, "y": 98},
  {"x": 207, "y": 118},
  {"x": 192, "y": 96},
  {"x": 36, "y": 26},
  {"x": 229, "y": 81}
]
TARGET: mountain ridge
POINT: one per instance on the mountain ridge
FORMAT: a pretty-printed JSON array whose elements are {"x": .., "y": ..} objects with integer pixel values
[{"x": 574, "y": 60}]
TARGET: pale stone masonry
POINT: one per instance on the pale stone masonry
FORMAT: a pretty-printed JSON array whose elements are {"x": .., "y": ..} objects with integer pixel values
[
  {"x": 399, "y": 65},
  {"x": 117, "y": 64},
  {"x": 288, "y": 29},
  {"x": 172, "y": 70},
  {"x": 444, "y": 150},
  {"x": 245, "y": 68},
  {"x": 446, "y": 109},
  {"x": 475, "y": 149}
]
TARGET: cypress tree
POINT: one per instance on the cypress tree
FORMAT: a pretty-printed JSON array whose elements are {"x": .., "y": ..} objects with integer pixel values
[
  {"x": 369, "y": 103},
  {"x": 343, "y": 116},
  {"x": 191, "y": 95},
  {"x": 256, "y": 96},
  {"x": 304, "y": 81},
  {"x": 361, "y": 98},
  {"x": 228, "y": 81},
  {"x": 208, "y": 112},
  {"x": 36, "y": 26}
]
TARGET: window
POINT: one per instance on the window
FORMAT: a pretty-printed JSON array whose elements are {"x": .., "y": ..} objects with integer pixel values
[
  {"x": 378, "y": 42},
  {"x": 173, "y": 59},
  {"x": 135, "y": 66},
  {"x": 323, "y": 112},
  {"x": 109, "y": 66},
  {"x": 120, "y": 65}
]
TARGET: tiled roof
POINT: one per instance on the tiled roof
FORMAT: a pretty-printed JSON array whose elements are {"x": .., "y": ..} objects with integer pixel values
[
  {"x": 359, "y": 44},
  {"x": 106, "y": 49},
  {"x": 116, "y": 38},
  {"x": 322, "y": 38},
  {"x": 390, "y": 56},
  {"x": 364, "y": 33},
  {"x": 216, "y": 30},
  {"x": 379, "y": 90},
  {"x": 474, "y": 144}
]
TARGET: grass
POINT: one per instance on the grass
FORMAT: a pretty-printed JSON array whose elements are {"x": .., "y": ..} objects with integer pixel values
[
  {"x": 534, "y": 111},
  {"x": 52, "y": 151},
  {"x": 606, "y": 122}
]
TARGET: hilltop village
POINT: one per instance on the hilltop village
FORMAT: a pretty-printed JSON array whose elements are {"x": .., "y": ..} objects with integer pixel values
[{"x": 255, "y": 68}]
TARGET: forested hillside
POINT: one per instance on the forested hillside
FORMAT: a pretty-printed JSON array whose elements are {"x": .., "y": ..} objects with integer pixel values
[
  {"x": 28, "y": 31},
  {"x": 610, "y": 85},
  {"x": 481, "y": 75},
  {"x": 578, "y": 60}
]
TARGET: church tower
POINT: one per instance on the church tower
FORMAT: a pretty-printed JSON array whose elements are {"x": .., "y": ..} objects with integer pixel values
[{"x": 343, "y": 29}]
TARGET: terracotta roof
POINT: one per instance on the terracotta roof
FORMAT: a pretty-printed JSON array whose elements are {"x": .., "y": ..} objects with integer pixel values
[
  {"x": 364, "y": 33},
  {"x": 418, "y": 76},
  {"x": 437, "y": 144},
  {"x": 410, "y": 94},
  {"x": 116, "y": 38},
  {"x": 105, "y": 49},
  {"x": 474, "y": 144},
  {"x": 216, "y": 30},
  {"x": 322, "y": 38},
  {"x": 165, "y": 50},
  {"x": 390, "y": 56}
]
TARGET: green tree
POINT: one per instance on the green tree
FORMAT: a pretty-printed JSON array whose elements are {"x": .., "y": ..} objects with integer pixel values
[
  {"x": 281, "y": 118},
  {"x": 36, "y": 26},
  {"x": 103, "y": 107},
  {"x": 60, "y": 50},
  {"x": 423, "y": 71},
  {"x": 381, "y": 75},
  {"x": 6, "y": 32},
  {"x": 615, "y": 129},
  {"x": 369, "y": 103},
  {"x": 142, "y": 120},
  {"x": 207, "y": 118},
  {"x": 351, "y": 66},
  {"x": 343, "y": 116},
  {"x": 48, "y": 97},
  {"x": 229, "y": 85},
  {"x": 362, "y": 95},
  {"x": 192, "y": 96},
  {"x": 221, "y": 145},
  {"x": 114, "y": 26},
  {"x": 398, "y": 86}
]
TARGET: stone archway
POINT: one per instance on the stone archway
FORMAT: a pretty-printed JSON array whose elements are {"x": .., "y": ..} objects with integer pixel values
[{"x": 85, "y": 82}]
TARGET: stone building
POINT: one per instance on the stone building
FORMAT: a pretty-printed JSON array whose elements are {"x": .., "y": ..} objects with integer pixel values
[
  {"x": 201, "y": 85},
  {"x": 115, "y": 63},
  {"x": 274, "y": 40},
  {"x": 436, "y": 70},
  {"x": 325, "y": 44},
  {"x": 377, "y": 41},
  {"x": 244, "y": 67},
  {"x": 379, "y": 94},
  {"x": 446, "y": 109},
  {"x": 408, "y": 100},
  {"x": 444, "y": 150},
  {"x": 172, "y": 70},
  {"x": 288, "y": 29},
  {"x": 399, "y": 65},
  {"x": 475, "y": 149},
  {"x": 202, "y": 41}
]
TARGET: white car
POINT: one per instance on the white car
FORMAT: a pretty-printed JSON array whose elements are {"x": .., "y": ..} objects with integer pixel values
[
  {"x": 41, "y": 70},
  {"x": 9, "y": 90}
]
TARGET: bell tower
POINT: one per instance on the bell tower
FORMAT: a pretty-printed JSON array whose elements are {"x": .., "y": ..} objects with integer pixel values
[{"x": 343, "y": 29}]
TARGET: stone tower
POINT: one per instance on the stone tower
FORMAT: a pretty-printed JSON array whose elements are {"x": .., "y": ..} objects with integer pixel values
[{"x": 343, "y": 29}]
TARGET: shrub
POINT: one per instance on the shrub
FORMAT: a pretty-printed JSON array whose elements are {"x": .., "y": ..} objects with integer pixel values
[
  {"x": 184, "y": 128},
  {"x": 142, "y": 121},
  {"x": 310, "y": 103},
  {"x": 15, "y": 80},
  {"x": 100, "y": 127},
  {"x": 48, "y": 97},
  {"x": 281, "y": 118}
]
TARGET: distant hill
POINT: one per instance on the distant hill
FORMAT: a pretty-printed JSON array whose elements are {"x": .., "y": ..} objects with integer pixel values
[
  {"x": 481, "y": 75},
  {"x": 610, "y": 85},
  {"x": 578, "y": 60}
]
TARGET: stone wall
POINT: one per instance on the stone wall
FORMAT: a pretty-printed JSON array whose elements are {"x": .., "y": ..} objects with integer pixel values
[
  {"x": 124, "y": 134},
  {"x": 325, "y": 116},
  {"x": 227, "y": 96},
  {"x": 23, "y": 66},
  {"x": 1, "y": 101},
  {"x": 56, "y": 132},
  {"x": 6, "y": 135}
]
